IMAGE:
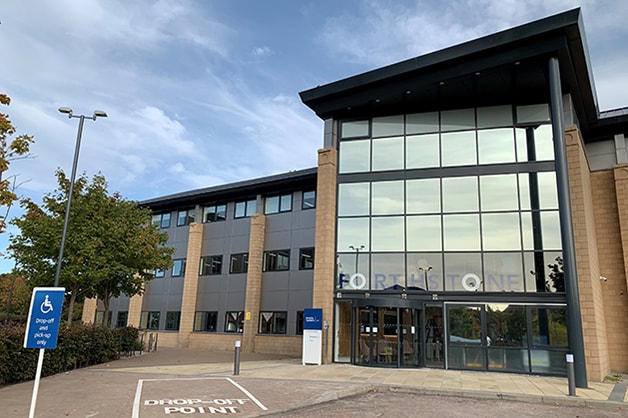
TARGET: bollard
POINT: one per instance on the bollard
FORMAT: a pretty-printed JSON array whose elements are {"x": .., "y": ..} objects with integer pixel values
[
  {"x": 571, "y": 379},
  {"x": 236, "y": 360}
]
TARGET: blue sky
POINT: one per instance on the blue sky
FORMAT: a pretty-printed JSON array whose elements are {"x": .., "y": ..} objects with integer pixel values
[{"x": 201, "y": 93}]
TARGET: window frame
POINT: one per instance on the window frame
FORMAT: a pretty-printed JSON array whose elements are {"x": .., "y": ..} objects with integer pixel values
[
  {"x": 210, "y": 260},
  {"x": 244, "y": 262},
  {"x": 162, "y": 220},
  {"x": 272, "y": 326},
  {"x": 250, "y": 208},
  {"x": 239, "y": 327},
  {"x": 205, "y": 320},
  {"x": 147, "y": 318},
  {"x": 170, "y": 325},
  {"x": 303, "y": 261},
  {"x": 269, "y": 265},
  {"x": 174, "y": 263},
  {"x": 186, "y": 217},
  {"x": 284, "y": 203},
  {"x": 304, "y": 199},
  {"x": 215, "y": 212}
]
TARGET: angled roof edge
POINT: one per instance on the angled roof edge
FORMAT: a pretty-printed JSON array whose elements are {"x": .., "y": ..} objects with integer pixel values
[
  {"x": 568, "y": 23},
  {"x": 198, "y": 194}
]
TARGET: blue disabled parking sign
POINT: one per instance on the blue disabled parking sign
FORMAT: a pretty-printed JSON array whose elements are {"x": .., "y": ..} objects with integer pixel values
[{"x": 42, "y": 327}]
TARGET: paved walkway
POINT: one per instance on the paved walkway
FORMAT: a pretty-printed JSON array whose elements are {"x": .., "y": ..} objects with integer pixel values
[{"x": 280, "y": 384}]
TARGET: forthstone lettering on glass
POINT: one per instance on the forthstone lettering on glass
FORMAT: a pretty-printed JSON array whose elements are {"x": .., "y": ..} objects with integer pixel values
[{"x": 471, "y": 282}]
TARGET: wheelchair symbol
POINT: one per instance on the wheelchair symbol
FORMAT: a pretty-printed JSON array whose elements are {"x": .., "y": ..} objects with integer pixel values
[{"x": 46, "y": 306}]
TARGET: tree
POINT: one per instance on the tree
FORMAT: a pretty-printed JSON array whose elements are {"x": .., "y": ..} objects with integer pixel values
[
  {"x": 556, "y": 281},
  {"x": 15, "y": 295},
  {"x": 112, "y": 247},
  {"x": 10, "y": 150}
]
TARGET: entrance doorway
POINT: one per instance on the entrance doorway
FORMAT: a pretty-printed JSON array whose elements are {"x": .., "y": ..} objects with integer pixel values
[{"x": 388, "y": 337}]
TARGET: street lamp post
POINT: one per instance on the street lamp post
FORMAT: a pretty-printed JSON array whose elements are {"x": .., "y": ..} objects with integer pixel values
[
  {"x": 425, "y": 270},
  {"x": 68, "y": 111},
  {"x": 357, "y": 253}
]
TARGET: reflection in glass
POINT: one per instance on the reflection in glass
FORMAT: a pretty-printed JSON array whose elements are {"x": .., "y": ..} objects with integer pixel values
[
  {"x": 388, "y": 271},
  {"x": 424, "y": 233},
  {"x": 421, "y": 265},
  {"x": 420, "y": 123},
  {"x": 465, "y": 324},
  {"x": 455, "y": 120},
  {"x": 499, "y": 192},
  {"x": 346, "y": 267},
  {"x": 506, "y": 325},
  {"x": 422, "y": 151},
  {"x": 533, "y": 113},
  {"x": 503, "y": 272},
  {"x": 461, "y": 232},
  {"x": 462, "y": 271},
  {"x": 549, "y": 326},
  {"x": 550, "y": 230},
  {"x": 423, "y": 196},
  {"x": 554, "y": 273},
  {"x": 496, "y": 146},
  {"x": 544, "y": 143},
  {"x": 353, "y": 199},
  {"x": 355, "y": 156},
  {"x": 355, "y": 129},
  {"x": 548, "y": 194},
  {"x": 494, "y": 116},
  {"x": 387, "y": 197},
  {"x": 458, "y": 148},
  {"x": 353, "y": 231},
  {"x": 460, "y": 194},
  {"x": 524, "y": 190},
  {"x": 388, "y": 154},
  {"x": 500, "y": 231},
  {"x": 387, "y": 233},
  {"x": 388, "y": 126},
  {"x": 527, "y": 232}
]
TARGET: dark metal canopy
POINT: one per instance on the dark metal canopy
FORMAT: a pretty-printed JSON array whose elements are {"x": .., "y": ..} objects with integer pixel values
[{"x": 502, "y": 68}]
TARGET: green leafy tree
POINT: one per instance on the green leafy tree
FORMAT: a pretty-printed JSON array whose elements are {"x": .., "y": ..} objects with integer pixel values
[
  {"x": 111, "y": 248},
  {"x": 11, "y": 148},
  {"x": 15, "y": 295}
]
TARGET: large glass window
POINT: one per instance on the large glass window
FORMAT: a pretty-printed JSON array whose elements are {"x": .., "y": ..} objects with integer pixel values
[
  {"x": 472, "y": 184},
  {"x": 162, "y": 220},
  {"x": 172, "y": 321},
  {"x": 354, "y": 129},
  {"x": 185, "y": 217},
  {"x": 205, "y": 321},
  {"x": 149, "y": 320},
  {"x": 306, "y": 258},
  {"x": 309, "y": 200},
  {"x": 354, "y": 156},
  {"x": 388, "y": 154},
  {"x": 234, "y": 321}
]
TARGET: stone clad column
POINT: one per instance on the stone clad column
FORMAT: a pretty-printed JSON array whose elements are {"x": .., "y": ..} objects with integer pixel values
[
  {"x": 135, "y": 310},
  {"x": 89, "y": 310},
  {"x": 325, "y": 255},
  {"x": 190, "y": 283},
  {"x": 253, "y": 282}
]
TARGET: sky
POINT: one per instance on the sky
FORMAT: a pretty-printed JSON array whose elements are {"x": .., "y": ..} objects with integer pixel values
[{"x": 201, "y": 93}]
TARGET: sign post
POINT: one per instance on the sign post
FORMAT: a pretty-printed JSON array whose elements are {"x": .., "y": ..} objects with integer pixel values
[
  {"x": 42, "y": 327},
  {"x": 312, "y": 335}
]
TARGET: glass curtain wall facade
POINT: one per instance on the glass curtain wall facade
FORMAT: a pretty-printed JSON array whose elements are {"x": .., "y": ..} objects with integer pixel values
[{"x": 458, "y": 202}]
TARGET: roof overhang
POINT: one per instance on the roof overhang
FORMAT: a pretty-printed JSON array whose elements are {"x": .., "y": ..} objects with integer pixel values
[{"x": 506, "y": 67}]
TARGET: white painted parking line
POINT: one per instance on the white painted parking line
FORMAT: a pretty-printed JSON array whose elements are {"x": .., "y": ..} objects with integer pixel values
[{"x": 196, "y": 403}]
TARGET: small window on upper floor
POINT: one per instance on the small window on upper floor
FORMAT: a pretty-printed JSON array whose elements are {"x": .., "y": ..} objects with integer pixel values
[
  {"x": 309, "y": 200},
  {"x": 239, "y": 263},
  {"x": 186, "y": 217},
  {"x": 276, "y": 260},
  {"x": 178, "y": 267},
  {"x": 162, "y": 220},
  {"x": 276, "y": 204},
  {"x": 306, "y": 258},
  {"x": 159, "y": 273},
  {"x": 211, "y": 265},
  {"x": 246, "y": 208},
  {"x": 214, "y": 213}
]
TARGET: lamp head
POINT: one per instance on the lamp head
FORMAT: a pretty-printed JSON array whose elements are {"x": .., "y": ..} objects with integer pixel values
[
  {"x": 66, "y": 110},
  {"x": 99, "y": 114}
]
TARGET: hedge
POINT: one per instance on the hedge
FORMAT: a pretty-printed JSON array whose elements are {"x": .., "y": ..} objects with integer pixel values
[{"x": 77, "y": 346}]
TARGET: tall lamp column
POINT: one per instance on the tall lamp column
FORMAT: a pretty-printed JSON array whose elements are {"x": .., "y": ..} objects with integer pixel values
[{"x": 68, "y": 111}]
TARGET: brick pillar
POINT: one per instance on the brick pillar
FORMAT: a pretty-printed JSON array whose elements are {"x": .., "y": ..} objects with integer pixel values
[
  {"x": 587, "y": 258},
  {"x": 135, "y": 310},
  {"x": 253, "y": 282},
  {"x": 190, "y": 283},
  {"x": 89, "y": 310},
  {"x": 325, "y": 241}
]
